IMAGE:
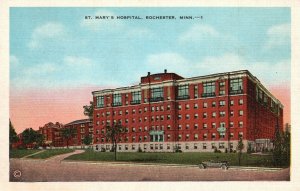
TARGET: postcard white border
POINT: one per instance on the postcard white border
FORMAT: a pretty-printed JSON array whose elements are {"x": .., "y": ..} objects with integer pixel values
[{"x": 74, "y": 186}]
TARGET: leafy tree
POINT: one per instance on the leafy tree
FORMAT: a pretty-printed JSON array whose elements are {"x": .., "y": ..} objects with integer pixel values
[
  {"x": 87, "y": 140},
  {"x": 30, "y": 136},
  {"x": 88, "y": 110},
  {"x": 67, "y": 134},
  {"x": 13, "y": 138},
  {"x": 282, "y": 149},
  {"x": 113, "y": 134},
  {"x": 240, "y": 148}
]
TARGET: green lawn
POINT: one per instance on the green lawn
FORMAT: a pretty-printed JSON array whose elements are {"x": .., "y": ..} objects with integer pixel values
[
  {"x": 19, "y": 153},
  {"x": 50, "y": 152},
  {"x": 175, "y": 158}
]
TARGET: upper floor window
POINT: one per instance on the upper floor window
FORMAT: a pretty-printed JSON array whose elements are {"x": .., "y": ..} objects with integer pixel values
[
  {"x": 209, "y": 89},
  {"x": 117, "y": 100},
  {"x": 236, "y": 86},
  {"x": 100, "y": 101},
  {"x": 183, "y": 92},
  {"x": 136, "y": 97},
  {"x": 157, "y": 94}
]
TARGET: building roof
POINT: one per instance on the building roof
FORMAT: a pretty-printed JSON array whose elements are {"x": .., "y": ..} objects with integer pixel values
[{"x": 79, "y": 122}]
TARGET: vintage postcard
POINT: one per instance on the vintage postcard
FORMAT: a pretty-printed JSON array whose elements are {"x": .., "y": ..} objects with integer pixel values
[{"x": 136, "y": 94}]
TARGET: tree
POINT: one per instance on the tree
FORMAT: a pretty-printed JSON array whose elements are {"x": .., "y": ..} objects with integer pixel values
[
  {"x": 67, "y": 134},
  {"x": 13, "y": 138},
  {"x": 240, "y": 148},
  {"x": 87, "y": 140},
  {"x": 88, "y": 110},
  {"x": 282, "y": 146},
  {"x": 113, "y": 134},
  {"x": 30, "y": 136}
]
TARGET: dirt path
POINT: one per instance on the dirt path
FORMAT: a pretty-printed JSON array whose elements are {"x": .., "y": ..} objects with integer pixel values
[{"x": 55, "y": 170}]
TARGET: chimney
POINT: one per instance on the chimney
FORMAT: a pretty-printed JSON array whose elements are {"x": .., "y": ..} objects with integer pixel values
[
  {"x": 148, "y": 73},
  {"x": 165, "y": 70}
]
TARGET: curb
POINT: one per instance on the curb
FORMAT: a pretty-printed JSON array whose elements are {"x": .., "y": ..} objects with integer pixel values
[{"x": 168, "y": 165}]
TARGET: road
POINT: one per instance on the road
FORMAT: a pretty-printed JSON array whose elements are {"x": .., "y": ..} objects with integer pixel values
[{"x": 54, "y": 169}]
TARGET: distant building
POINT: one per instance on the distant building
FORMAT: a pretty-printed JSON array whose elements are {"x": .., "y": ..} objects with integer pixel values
[
  {"x": 83, "y": 127},
  {"x": 52, "y": 134},
  {"x": 167, "y": 112},
  {"x": 287, "y": 127}
]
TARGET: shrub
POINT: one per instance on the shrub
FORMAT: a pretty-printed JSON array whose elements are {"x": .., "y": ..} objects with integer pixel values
[{"x": 103, "y": 150}]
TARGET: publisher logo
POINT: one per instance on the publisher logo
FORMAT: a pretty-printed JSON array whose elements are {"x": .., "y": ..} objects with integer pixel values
[{"x": 17, "y": 173}]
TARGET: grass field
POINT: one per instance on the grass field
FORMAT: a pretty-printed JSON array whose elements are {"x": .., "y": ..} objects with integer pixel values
[
  {"x": 19, "y": 153},
  {"x": 50, "y": 152},
  {"x": 175, "y": 158}
]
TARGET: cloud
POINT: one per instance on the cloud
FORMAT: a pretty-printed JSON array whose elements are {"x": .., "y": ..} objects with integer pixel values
[
  {"x": 140, "y": 33},
  {"x": 269, "y": 73},
  {"x": 50, "y": 30},
  {"x": 101, "y": 24},
  {"x": 169, "y": 60},
  {"x": 199, "y": 32},
  {"x": 278, "y": 35},
  {"x": 14, "y": 61},
  {"x": 40, "y": 69},
  {"x": 75, "y": 61}
]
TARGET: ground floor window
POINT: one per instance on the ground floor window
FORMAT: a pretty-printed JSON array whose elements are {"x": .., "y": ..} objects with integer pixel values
[
  {"x": 145, "y": 147},
  {"x": 195, "y": 146},
  {"x": 161, "y": 146},
  {"x": 168, "y": 146},
  {"x": 120, "y": 147},
  {"x": 204, "y": 146},
  {"x": 221, "y": 145},
  {"x": 151, "y": 146}
]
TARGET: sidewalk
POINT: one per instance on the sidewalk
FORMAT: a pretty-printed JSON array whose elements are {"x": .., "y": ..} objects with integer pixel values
[{"x": 108, "y": 163}]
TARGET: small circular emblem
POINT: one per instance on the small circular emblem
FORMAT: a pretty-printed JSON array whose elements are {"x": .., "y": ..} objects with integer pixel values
[{"x": 17, "y": 173}]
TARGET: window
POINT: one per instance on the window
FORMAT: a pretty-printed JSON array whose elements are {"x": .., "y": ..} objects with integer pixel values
[
  {"x": 168, "y": 136},
  {"x": 145, "y": 138},
  {"x": 213, "y": 136},
  {"x": 187, "y": 146},
  {"x": 168, "y": 107},
  {"x": 231, "y": 135},
  {"x": 208, "y": 89},
  {"x": 231, "y": 124},
  {"x": 100, "y": 101},
  {"x": 179, "y": 127},
  {"x": 161, "y": 117},
  {"x": 221, "y": 145},
  {"x": 222, "y": 113},
  {"x": 187, "y": 116},
  {"x": 187, "y": 106},
  {"x": 213, "y": 125},
  {"x": 204, "y": 125},
  {"x": 240, "y": 134},
  {"x": 213, "y": 104},
  {"x": 187, "y": 126},
  {"x": 126, "y": 112},
  {"x": 133, "y": 129},
  {"x": 183, "y": 92},
  {"x": 157, "y": 94},
  {"x": 204, "y": 146},
  {"x": 205, "y": 105},
  {"x": 205, "y": 115},
  {"x": 222, "y": 103},
  {"x": 241, "y": 101},
  {"x": 213, "y": 145},
  {"x": 240, "y": 124},
  {"x": 204, "y": 136},
  {"x": 241, "y": 112},
  {"x": 196, "y": 126},
  {"x": 195, "y": 146},
  {"x": 179, "y": 107},
  {"x": 221, "y": 88},
  {"x": 168, "y": 117},
  {"x": 196, "y": 116},
  {"x": 195, "y": 106},
  {"x": 222, "y": 92},
  {"x": 196, "y": 91},
  {"x": 179, "y": 116},
  {"x": 222, "y": 124},
  {"x": 117, "y": 100},
  {"x": 187, "y": 136},
  {"x": 231, "y": 113},
  {"x": 136, "y": 97},
  {"x": 196, "y": 136},
  {"x": 213, "y": 114},
  {"x": 236, "y": 86},
  {"x": 133, "y": 111},
  {"x": 231, "y": 102},
  {"x": 169, "y": 127},
  {"x": 179, "y": 137}
]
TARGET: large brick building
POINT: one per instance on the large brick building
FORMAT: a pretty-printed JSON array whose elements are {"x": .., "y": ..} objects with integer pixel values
[
  {"x": 166, "y": 111},
  {"x": 82, "y": 128},
  {"x": 52, "y": 134}
]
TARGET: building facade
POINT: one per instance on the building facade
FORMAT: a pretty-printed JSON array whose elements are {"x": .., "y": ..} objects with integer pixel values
[
  {"x": 52, "y": 134},
  {"x": 167, "y": 112},
  {"x": 82, "y": 128}
]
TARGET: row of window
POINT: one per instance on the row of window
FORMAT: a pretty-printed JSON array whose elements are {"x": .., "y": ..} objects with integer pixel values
[
  {"x": 157, "y": 94},
  {"x": 160, "y": 138},
  {"x": 134, "y": 147},
  {"x": 187, "y": 127}
]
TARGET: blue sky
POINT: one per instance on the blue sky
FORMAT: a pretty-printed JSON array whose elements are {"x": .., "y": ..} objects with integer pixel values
[{"x": 57, "y": 47}]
